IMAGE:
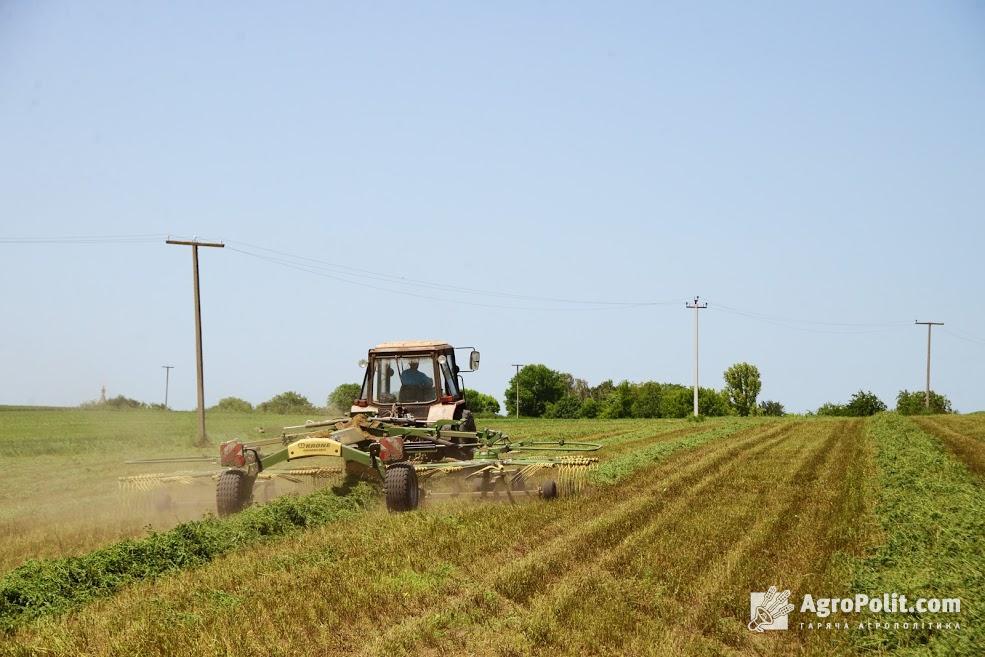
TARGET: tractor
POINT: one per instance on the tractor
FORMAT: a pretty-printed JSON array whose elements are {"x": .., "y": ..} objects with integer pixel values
[{"x": 410, "y": 430}]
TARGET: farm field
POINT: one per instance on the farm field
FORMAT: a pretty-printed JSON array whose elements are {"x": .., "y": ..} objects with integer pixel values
[
  {"x": 658, "y": 556},
  {"x": 59, "y": 493}
]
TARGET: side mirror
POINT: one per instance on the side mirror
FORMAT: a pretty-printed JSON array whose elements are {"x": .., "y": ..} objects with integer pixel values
[
  {"x": 474, "y": 361},
  {"x": 363, "y": 363}
]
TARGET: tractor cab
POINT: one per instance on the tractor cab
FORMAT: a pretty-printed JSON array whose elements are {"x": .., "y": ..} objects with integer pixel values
[{"x": 414, "y": 379}]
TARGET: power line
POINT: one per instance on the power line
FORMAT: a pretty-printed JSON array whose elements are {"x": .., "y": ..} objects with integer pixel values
[
  {"x": 808, "y": 326},
  {"x": 145, "y": 238},
  {"x": 965, "y": 337},
  {"x": 321, "y": 271},
  {"x": 403, "y": 280}
]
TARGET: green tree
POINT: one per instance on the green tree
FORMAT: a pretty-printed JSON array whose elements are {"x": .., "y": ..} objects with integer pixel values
[
  {"x": 234, "y": 405},
  {"x": 771, "y": 408},
  {"x": 620, "y": 401},
  {"x": 568, "y": 406},
  {"x": 713, "y": 403},
  {"x": 539, "y": 386},
  {"x": 589, "y": 408},
  {"x": 647, "y": 401},
  {"x": 342, "y": 398},
  {"x": 602, "y": 390},
  {"x": 678, "y": 401},
  {"x": 742, "y": 384},
  {"x": 286, "y": 402},
  {"x": 479, "y": 403},
  {"x": 864, "y": 403},
  {"x": 913, "y": 403}
]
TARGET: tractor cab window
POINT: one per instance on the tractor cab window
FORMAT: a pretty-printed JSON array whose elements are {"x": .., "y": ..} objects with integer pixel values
[
  {"x": 404, "y": 380},
  {"x": 448, "y": 374}
]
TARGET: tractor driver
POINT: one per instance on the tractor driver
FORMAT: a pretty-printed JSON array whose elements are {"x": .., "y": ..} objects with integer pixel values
[{"x": 415, "y": 385}]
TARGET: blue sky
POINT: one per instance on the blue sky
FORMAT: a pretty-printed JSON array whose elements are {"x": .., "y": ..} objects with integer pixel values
[{"x": 816, "y": 164}]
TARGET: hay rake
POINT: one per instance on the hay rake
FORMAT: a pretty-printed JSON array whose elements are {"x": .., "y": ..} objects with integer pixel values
[{"x": 412, "y": 458}]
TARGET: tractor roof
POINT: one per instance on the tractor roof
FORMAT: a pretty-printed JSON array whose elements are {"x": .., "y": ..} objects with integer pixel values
[{"x": 410, "y": 345}]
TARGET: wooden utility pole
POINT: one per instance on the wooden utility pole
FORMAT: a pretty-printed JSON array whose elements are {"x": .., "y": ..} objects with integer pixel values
[
  {"x": 697, "y": 306},
  {"x": 202, "y": 441},
  {"x": 167, "y": 380},
  {"x": 518, "y": 366},
  {"x": 926, "y": 394}
]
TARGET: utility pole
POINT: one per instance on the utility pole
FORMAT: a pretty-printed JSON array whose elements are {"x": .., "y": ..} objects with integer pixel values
[
  {"x": 697, "y": 306},
  {"x": 926, "y": 394},
  {"x": 518, "y": 366},
  {"x": 167, "y": 380},
  {"x": 201, "y": 442}
]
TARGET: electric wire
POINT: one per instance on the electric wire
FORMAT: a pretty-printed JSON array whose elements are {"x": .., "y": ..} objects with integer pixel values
[
  {"x": 337, "y": 277},
  {"x": 444, "y": 287},
  {"x": 383, "y": 282}
]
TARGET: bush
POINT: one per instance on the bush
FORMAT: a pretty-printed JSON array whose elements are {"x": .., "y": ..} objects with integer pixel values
[
  {"x": 678, "y": 401},
  {"x": 480, "y": 403},
  {"x": 647, "y": 401},
  {"x": 832, "y": 410},
  {"x": 119, "y": 402},
  {"x": 285, "y": 403},
  {"x": 344, "y": 396},
  {"x": 863, "y": 404},
  {"x": 620, "y": 401},
  {"x": 913, "y": 403},
  {"x": 771, "y": 408},
  {"x": 233, "y": 405},
  {"x": 567, "y": 407},
  {"x": 589, "y": 409}
]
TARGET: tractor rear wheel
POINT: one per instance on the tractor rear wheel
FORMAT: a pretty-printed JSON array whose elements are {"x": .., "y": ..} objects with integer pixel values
[
  {"x": 233, "y": 492},
  {"x": 400, "y": 486}
]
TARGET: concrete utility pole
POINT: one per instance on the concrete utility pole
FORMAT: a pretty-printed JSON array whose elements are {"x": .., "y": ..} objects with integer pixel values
[
  {"x": 518, "y": 366},
  {"x": 697, "y": 306},
  {"x": 926, "y": 394},
  {"x": 201, "y": 442},
  {"x": 167, "y": 380}
]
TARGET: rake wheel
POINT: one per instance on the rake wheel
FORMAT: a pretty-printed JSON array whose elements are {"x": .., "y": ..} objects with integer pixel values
[
  {"x": 400, "y": 486},
  {"x": 233, "y": 492}
]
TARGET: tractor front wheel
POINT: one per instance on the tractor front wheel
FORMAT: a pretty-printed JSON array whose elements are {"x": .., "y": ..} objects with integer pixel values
[
  {"x": 233, "y": 492},
  {"x": 400, "y": 486}
]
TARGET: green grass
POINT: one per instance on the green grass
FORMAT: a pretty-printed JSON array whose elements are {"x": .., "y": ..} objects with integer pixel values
[
  {"x": 657, "y": 557},
  {"x": 932, "y": 513},
  {"x": 53, "y": 586}
]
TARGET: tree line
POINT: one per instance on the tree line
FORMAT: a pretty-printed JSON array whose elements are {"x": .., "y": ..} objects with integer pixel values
[
  {"x": 544, "y": 392},
  {"x": 549, "y": 393},
  {"x": 865, "y": 402}
]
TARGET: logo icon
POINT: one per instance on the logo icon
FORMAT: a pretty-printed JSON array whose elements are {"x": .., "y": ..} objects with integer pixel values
[{"x": 768, "y": 611}]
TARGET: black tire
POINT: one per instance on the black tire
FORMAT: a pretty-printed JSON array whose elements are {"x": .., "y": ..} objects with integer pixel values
[
  {"x": 400, "y": 486},
  {"x": 233, "y": 492},
  {"x": 468, "y": 421},
  {"x": 548, "y": 490}
]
